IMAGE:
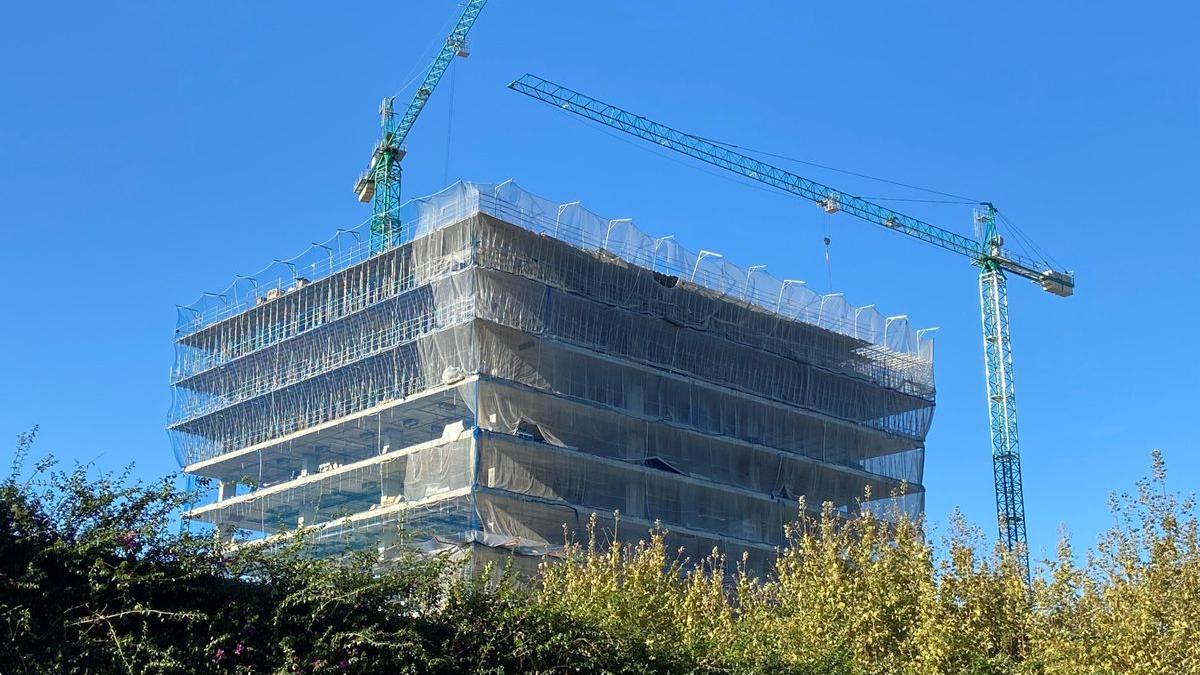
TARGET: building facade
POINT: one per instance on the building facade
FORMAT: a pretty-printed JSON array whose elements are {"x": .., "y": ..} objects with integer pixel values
[{"x": 510, "y": 366}]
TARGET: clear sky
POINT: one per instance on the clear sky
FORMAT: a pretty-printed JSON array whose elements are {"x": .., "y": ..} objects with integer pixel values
[{"x": 150, "y": 151}]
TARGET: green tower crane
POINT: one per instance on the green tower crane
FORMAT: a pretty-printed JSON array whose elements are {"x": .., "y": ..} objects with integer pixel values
[
  {"x": 380, "y": 182},
  {"x": 987, "y": 252}
]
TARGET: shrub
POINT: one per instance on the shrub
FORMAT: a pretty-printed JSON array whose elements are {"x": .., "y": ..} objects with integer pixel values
[{"x": 93, "y": 578}]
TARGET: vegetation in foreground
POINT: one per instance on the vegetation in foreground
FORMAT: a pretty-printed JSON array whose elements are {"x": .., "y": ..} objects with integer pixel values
[{"x": 93, "y": 580}]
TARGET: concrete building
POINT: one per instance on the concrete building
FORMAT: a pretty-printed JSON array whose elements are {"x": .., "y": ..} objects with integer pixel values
[{"x": 509, "y": 366}]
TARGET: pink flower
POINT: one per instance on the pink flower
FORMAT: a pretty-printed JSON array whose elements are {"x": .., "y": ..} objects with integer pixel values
[
  {"x": 220, "y": 654},
  {"x": 238, "y": 649},
  {"x": 128, "y": 541}
]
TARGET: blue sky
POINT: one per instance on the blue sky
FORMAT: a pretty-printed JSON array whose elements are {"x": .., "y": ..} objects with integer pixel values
[{"x": 150, "y": 151}]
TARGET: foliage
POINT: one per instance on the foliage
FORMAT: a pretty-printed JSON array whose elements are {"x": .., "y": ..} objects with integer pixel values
[{"x": 93, "y": 579}]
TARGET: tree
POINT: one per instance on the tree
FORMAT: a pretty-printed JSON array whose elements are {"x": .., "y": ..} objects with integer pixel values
[{"x": 94, "y": 579}]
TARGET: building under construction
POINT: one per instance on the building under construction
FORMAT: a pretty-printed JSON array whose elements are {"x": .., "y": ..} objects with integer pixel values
[{"x": 509, "y": 366}]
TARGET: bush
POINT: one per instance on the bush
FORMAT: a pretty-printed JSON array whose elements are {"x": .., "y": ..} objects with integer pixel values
[{"x": 93, "y": 579}]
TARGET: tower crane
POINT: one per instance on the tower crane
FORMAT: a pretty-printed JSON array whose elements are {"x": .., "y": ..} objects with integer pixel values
[
  {"x": 380, "y": 182},
  {"x": 987, "y": 252}
]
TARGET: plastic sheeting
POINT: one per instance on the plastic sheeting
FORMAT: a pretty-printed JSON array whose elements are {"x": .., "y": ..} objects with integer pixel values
[
  {"x": 569, "y": 222},
  {"x": 419, "y": 474},
  {"x": 600, "y": 369}
]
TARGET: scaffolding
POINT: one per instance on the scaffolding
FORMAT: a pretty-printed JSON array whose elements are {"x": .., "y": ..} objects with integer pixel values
[{"x": 509, "y": 365}]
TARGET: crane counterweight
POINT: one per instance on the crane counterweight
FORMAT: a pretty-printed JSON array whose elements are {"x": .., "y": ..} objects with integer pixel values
[{"x": 1061, "y": 284}]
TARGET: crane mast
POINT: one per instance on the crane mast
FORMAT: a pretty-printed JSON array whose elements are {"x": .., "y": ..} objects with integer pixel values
[
  {"x": 985, "y": 252},
  {"x": 380, "y": 182},
  {"x": 1001, "y": 397}
]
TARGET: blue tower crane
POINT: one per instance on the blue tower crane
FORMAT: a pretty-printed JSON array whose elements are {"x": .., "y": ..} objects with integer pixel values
[
  {"x": 380, "y": 182},
  {"x": 987, "y": 252}
]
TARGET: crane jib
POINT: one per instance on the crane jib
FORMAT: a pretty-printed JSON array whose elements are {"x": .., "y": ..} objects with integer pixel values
[
  {"x": 829, "y": 198},
  {"x": 455, "y": 46}
]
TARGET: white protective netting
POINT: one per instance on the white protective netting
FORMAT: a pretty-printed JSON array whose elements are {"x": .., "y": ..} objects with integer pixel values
[
  {"x": 605, "y": 369},
  {"x": 574, "y": 224}
]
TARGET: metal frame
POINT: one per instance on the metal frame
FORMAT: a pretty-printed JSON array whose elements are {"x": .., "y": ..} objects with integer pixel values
[
  {"x": 986, "y": 252},
  {"x": 381, "y": 181}
]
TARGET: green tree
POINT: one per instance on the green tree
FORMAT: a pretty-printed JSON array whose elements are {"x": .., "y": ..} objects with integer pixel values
[{"x": 94, "y": 580}]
